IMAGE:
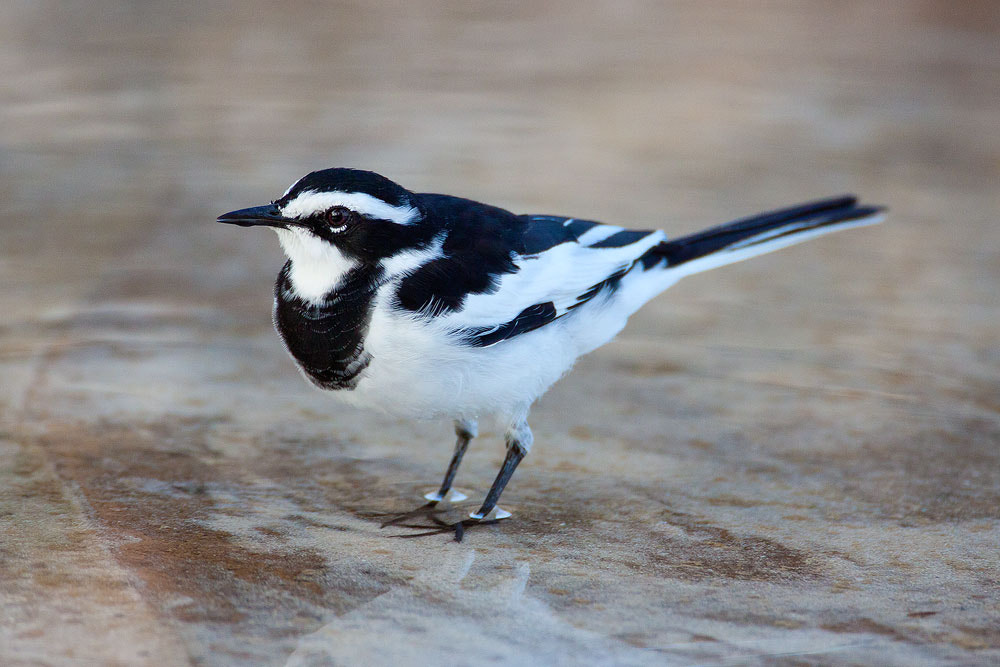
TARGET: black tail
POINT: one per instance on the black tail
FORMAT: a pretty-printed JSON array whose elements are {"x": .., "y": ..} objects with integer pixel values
[{"x": 764, "y": 232}]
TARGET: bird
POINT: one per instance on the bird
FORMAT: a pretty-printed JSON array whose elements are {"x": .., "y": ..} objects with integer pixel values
[{"x": 432, "y": 306}]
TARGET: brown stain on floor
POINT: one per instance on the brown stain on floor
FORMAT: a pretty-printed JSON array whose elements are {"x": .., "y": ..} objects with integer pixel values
[
  {"x": 148, "y": 489},
  {"x": 713, "y": 551}
]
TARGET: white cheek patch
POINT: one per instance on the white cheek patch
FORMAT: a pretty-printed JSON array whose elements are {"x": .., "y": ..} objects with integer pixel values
[
  {"x": 317, "y": 267},
  {"x": 311, "y": 202}
]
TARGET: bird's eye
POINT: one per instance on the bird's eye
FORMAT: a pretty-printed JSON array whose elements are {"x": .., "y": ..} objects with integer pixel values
[{"x": 338, "y": 216}]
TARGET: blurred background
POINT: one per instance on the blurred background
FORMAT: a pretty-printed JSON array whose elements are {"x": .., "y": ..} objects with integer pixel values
[
  {"x": 128, "y": 126},
  {"x": 841, "y": 396}
]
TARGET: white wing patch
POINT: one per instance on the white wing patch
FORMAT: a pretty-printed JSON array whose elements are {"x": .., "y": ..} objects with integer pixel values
[
  {"x": 598, "y": 233},
  {"x": 559, "y": 275},
  {"x": 408, "y": 261}
]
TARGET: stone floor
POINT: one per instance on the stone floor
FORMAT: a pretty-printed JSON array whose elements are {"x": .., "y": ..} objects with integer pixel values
[{"x": 789, "y": 461}]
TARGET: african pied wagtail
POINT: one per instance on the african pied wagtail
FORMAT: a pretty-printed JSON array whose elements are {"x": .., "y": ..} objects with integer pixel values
[{"x": 428, "y": 305}]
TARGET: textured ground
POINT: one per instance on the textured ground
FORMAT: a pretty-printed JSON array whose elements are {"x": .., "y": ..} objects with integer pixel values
[{"x": 790, "y": 461}]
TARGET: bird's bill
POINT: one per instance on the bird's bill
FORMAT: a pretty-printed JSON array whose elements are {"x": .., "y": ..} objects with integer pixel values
[{"x": 268, "y": 216}]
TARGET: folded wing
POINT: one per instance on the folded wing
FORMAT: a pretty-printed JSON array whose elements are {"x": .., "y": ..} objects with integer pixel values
[{"x": 562, "y": 263}]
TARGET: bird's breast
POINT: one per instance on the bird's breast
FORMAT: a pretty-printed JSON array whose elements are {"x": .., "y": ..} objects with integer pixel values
[{"x": 327, "y": 338}]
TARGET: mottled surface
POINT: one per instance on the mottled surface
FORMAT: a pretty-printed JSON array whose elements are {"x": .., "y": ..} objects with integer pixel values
[{"x": 793, "y": 460}]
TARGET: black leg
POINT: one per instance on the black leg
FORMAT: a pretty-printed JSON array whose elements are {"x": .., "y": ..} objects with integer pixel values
[
  {"x": 518, "y": 440},
  {"x": 466, "y": 430}
]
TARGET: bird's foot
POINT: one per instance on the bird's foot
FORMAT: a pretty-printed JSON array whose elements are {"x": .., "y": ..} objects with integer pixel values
[
  {"x": 425, "y": 511},
  {"x": 452, "y": 496},
  {"x": 495, "y": 514},
  {"x": 435, "y": 519}
]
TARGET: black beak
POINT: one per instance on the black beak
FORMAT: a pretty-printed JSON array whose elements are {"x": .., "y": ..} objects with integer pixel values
[{"x": 268, "y": 216}]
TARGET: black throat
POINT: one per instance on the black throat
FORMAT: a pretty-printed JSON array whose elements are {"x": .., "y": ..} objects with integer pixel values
[{"x": 327, "y": 339}]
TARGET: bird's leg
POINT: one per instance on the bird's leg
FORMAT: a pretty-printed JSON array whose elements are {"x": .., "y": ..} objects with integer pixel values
[
  {"x": 466, "y": 430},
  {"x": 519, "y": 441}
]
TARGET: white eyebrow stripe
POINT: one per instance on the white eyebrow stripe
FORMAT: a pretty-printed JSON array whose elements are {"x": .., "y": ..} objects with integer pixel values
[{"x": 310, "y": 202}]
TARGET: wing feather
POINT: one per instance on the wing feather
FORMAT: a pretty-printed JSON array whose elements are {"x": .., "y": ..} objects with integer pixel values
[{"x": 566, "y": 264}]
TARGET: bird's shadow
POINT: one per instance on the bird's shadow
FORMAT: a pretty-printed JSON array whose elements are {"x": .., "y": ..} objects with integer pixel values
[{"x": 433, "y": 519}]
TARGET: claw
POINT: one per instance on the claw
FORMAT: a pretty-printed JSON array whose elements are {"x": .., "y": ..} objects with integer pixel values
[
  {"x": 432, "y": 519},
  {"x": 423, "y": 511}
]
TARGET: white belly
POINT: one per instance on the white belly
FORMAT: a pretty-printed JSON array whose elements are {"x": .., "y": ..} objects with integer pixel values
[{"x": 417, "y": 371}]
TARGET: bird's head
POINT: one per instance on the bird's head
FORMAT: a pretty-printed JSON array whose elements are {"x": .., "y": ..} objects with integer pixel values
[{"x": 339, "y": 216}]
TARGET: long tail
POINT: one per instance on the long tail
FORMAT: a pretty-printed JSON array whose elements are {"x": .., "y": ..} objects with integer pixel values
[{"x": 762, "y": 233}]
